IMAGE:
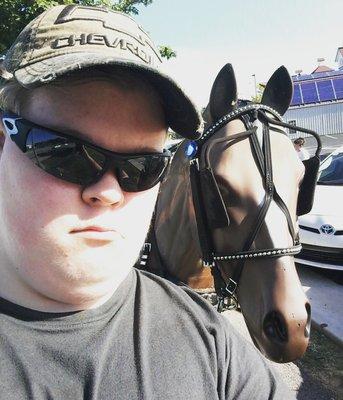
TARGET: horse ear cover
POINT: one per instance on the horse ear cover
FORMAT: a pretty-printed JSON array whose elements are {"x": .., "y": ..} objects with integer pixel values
[
  {"x": 278, "y": 92},
  {"x": 223, "y": 96}
]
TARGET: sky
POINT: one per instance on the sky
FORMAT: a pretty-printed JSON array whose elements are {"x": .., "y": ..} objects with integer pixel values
[{"x": 255, "y": 36}]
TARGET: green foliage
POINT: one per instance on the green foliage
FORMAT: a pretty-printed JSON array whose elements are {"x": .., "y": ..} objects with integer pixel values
[
  {"x": 167, "y": 52},
  {"x": 128, "y": 6},
  {"x": 16, "y": 14},
  {"x": 259, "y": 92}
]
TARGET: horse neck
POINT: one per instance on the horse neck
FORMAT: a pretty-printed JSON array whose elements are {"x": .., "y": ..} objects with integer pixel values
[{"x": 175, "y": 225}]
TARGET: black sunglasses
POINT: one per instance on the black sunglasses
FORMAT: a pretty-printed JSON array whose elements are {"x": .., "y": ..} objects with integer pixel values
[{"x": 78, "y": 161}]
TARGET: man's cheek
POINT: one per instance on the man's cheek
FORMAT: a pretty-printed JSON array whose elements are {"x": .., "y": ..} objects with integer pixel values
[
  {"x": 25, "y": 233},
  {"x": 142, "y": 204}
]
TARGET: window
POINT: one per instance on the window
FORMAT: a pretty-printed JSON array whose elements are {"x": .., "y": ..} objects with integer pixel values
[{"x": 331, "y": 170}]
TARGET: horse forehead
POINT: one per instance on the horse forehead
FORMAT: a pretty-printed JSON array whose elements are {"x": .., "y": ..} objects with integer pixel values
[
  {"x": 219, "y": 150},
  {"x": 236, "y": 166},
  {"x": 233, "y": 127},
  {"x": 231, "y": 153},
  {"x": 284, "y": 158},
  {"x": 235, "y": 169}
]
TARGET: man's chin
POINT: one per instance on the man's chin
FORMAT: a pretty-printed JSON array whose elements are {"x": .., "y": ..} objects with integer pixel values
[{"x": 88, "y": 291}]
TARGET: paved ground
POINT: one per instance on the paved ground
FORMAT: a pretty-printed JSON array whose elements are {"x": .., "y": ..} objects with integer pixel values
[{"x": 326, "y": 298}]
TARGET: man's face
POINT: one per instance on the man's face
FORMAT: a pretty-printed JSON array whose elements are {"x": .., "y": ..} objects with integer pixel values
[
  {"x": 298, "y": 145},
  {"x": 48, "y": 244}
]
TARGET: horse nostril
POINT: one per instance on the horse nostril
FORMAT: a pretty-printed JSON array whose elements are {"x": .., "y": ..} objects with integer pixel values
[
  {"x": 308, "y": 322},
  {"x": 274, "y": 327}
]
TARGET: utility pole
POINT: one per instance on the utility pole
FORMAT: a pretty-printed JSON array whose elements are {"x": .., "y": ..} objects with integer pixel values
[{"x": 254, "y": 76}]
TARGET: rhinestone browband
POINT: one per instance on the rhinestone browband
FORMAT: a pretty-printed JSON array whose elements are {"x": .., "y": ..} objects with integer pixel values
[
  {"x": 263, "y": 253},
  {"x": 236, "y": 113}
]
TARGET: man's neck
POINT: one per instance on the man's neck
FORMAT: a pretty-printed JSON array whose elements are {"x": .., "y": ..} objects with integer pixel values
[{"x": 19, "y": 292}]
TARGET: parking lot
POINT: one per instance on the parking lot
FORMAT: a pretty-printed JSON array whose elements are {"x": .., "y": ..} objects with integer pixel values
[{"x": 329, "y": 143}]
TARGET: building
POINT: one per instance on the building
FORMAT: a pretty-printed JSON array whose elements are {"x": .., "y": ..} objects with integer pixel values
[{"x": 317, "y": 102}]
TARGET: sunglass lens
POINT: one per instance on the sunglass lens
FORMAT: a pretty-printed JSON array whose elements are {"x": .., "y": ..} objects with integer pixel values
[
  {"x": 64, "y": 158},
  {"x": 141, "y": 173},
  {"x": 77, "y": 162}
]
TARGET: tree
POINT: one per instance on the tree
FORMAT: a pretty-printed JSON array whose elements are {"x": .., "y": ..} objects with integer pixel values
[
  {"x": 259, "y": 92},
  {"x": 16, "y": 14},
  {"x": 167, "y": 52}
]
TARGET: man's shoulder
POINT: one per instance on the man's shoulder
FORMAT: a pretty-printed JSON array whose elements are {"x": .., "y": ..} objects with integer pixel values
[
  {"x": 179, "y": 309},
  {"x": 164, "y": 287},
  {"x": 180, "y": 298}
]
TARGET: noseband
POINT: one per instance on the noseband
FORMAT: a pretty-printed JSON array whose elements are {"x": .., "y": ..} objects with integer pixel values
[{"x": 210, "y": 209}]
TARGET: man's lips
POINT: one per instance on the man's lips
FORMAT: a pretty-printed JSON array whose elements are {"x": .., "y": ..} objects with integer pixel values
[
  {"x": 98, "y": 233},
  {"x": 92, "y": 229}
]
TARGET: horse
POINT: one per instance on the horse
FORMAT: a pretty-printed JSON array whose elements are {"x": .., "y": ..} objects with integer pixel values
[{"x": 226, "y": 214}]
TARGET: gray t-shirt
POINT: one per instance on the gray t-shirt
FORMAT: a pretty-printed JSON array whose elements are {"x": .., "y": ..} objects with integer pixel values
[{"x": 151, "y": 340}]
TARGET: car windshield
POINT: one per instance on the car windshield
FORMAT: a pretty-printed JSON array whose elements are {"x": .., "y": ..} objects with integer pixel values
[{"x": 331, "y": 170}]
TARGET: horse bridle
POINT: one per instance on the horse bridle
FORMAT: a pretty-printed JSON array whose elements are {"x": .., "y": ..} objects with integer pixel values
[{"x": 208, "y": 203}]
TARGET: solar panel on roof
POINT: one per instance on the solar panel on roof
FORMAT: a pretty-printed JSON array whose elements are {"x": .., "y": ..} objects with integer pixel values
[
  {"x": 334, "y": 73},
  {"x": 338, "y": 85},
  {"x": 300, "y": 78},
  {"x": 309, "y": 92},
  {"x": 306, "y": 77},
  {"x": 296, "y": 99},
  {"x": 320, "y": 75},
  {"x": 325, "y": 90},
  {"x": 309, "y": 89}
]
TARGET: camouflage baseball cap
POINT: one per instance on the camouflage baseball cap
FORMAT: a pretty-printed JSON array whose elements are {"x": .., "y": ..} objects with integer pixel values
[{"x": 68, "y": 38}]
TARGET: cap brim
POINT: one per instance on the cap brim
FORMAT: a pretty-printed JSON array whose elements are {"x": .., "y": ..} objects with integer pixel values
[{"x": 181, "y": 114}]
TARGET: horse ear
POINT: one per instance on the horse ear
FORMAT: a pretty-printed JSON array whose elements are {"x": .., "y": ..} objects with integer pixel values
[
  {"x": 223, "y": 96},
  {"x": 279, "y": 91}
]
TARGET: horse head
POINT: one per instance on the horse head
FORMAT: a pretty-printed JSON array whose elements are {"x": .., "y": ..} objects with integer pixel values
[{"x": 232, "y": 206}]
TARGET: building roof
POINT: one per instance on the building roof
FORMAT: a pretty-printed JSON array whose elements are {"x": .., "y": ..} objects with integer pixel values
[
  {"x": 334, "y": 73},
  {"x": 321, "y": 68},
  {"x": 323, "y": 85}
]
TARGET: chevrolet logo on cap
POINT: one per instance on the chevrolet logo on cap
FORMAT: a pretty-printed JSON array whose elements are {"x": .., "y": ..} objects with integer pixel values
[
  {"x": 69, "y": 39},
  {"x": 126, "y": 35}
]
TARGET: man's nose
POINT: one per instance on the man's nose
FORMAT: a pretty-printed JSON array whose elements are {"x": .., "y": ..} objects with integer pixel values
[{"x": 105, "y": 192}]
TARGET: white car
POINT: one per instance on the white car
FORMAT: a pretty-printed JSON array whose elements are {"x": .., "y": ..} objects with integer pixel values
[{"x": 321, "y": 231}]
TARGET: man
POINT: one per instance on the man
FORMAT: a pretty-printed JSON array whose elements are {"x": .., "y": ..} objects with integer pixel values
[
  {"x": 302, "y": 153},
  {"x": 84, "y": 123}
]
